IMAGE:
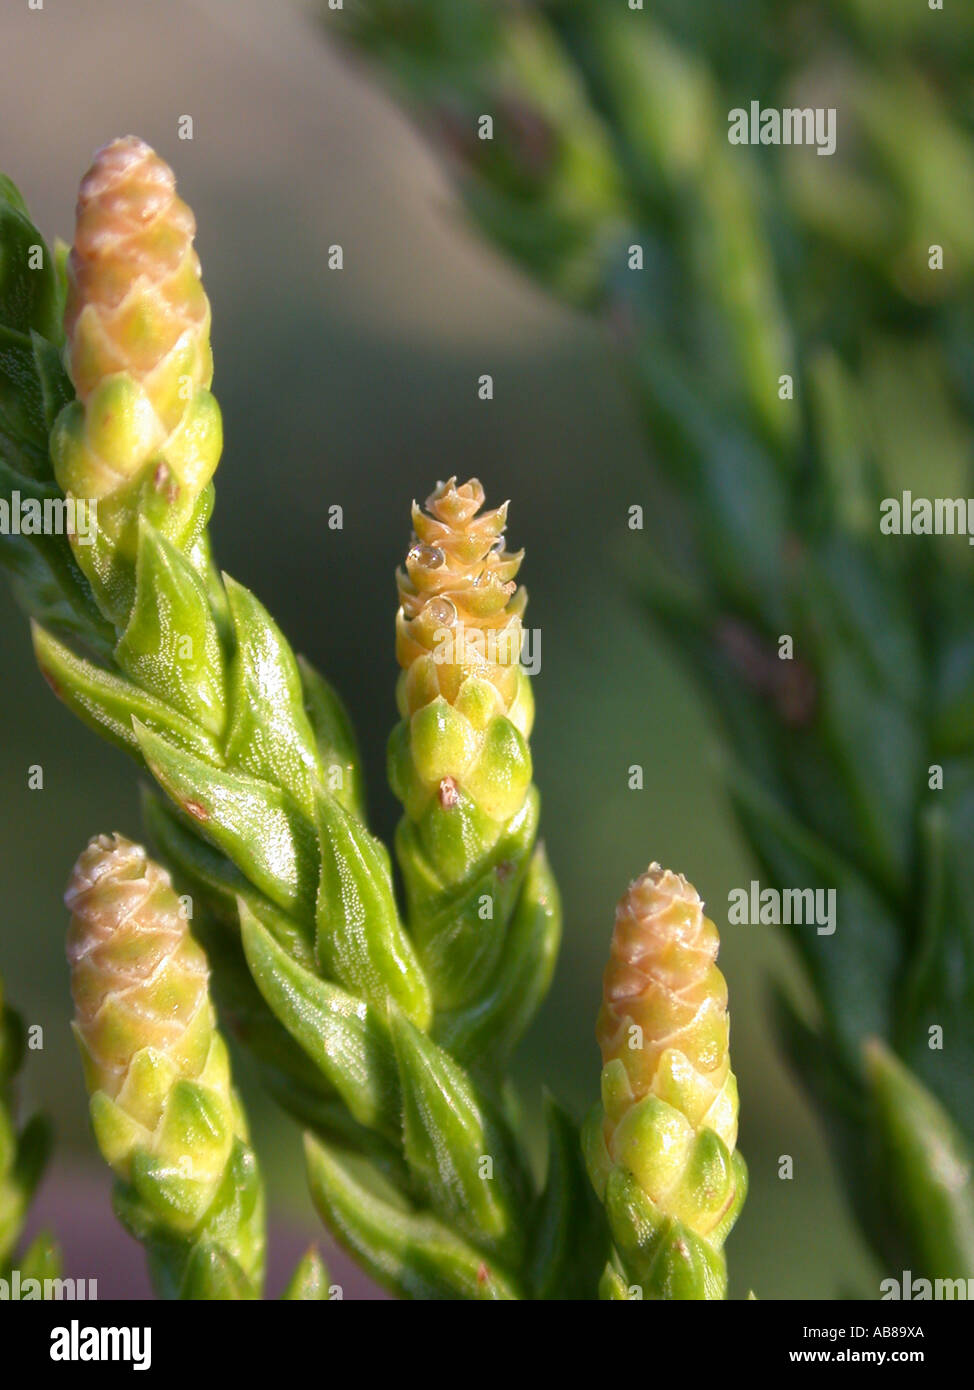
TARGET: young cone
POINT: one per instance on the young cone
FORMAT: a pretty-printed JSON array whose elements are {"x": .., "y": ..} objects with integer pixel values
[
  {"x": 482, "y": 905},
  {"x": 458, "y": 641},
  {"x": 162, "y": 1106},
  {"x": 660, "y": 1147},
  {"x": 460, "y": 615},
  {"x": 144, "y": 432}
]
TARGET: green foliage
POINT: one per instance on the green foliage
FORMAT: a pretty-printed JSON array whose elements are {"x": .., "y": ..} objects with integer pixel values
[
  {"x": 385, "y": 1038},
  {"x": 24, "y": 1152}
]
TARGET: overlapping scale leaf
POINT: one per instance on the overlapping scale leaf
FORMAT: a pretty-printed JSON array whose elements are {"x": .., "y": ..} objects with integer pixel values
[
  {"x": 346, "y": 1039},
  {"x": 458, "y": 1156},
  {"x": 360, "y": 940},
  {"x": 407, "y": 1250}
]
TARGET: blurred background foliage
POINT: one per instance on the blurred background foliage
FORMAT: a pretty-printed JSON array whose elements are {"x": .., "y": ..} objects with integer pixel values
[{"x": 360, "y": 388}]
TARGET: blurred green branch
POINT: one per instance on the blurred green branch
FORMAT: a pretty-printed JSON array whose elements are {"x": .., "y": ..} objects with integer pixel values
[{"x": 24, "y": 1153}]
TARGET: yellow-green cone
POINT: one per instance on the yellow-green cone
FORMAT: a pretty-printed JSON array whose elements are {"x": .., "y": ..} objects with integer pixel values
[
  {"x": 138, "y": 329},
  {"x": 144, "y": 434},
  {"x": 457, "y": 575},
  {"x": 462, "y": 690},
  {"x": 661, "y": 1147},
  {"x": 459, "y": 759},
  {"x": 162, "y": 1105}
]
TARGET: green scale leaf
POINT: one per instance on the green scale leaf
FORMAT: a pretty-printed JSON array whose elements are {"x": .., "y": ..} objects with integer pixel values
[
  {"x": 460, "y": 928},
  {"x": 263, "y": 830},
  {"x": 485, "y": 1032},
  {"x": 409, "y": 1252},
  {"x": 341, "y": 1034},
  {"x": 456, "y": 1153},
  {"x": 29, "y": 296},
  {"x": 269, "y": 734},
  {"x": 924, "y": 1168},
  {"x": 116, "y": 708},
  {"x": 570, "y": 1242},
  {"x": 360, "y": 940},
  {"x": 335, "y": 738},
  {"x": 170, "y": 646},
  {"x": 309, "y": 1283}
]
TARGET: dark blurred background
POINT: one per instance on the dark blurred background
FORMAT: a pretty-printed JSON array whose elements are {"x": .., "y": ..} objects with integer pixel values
[{"x": 360, "y": 388}]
